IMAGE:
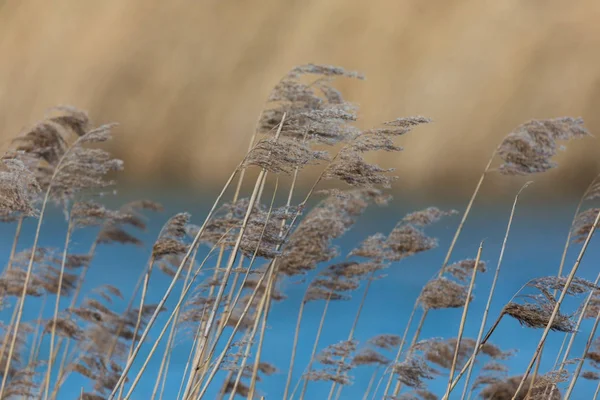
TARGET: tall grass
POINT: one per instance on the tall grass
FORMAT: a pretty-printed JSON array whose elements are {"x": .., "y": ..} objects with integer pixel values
[{"x": 260, "y": 242}]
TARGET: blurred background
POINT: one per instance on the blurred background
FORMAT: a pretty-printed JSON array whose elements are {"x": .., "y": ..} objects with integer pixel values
[{"x": 187, "y": 80}]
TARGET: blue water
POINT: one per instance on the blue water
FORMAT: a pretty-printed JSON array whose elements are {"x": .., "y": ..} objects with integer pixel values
[{"x": 534, "y": 249}]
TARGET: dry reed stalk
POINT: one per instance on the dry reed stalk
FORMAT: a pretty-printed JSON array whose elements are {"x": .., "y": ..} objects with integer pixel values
[
  {"x": 370, "y": 385},
  {"x": 188, "y": 363},
  {"x": 470, "y": 360},
  {"x": 558, "y": 303},
  {"x": 314, "y": 350},
  {"x": 581, "y": 359},
  {"x": 294, "y": 346},
  {"x": 493, "y": 287},
  {"x": 234, "y": 253},
  {"x": 13, "y": 248},
  {"x": 56, "y": 307},
  {"x": 353, "y": 330},
  {"x": 38, "y": 335},
  {"x": 463, "y": 319},
  {"x": 265, "y": 316},
  {"x": 244, "y": 358},
  {"x": 297, "y": 330},
  {"x": 12, "y": 321},
  {"x": 164, "y": 365},
  {"x": 398, "y": 353},
  {"x": 82, "y": 275},
  {"x": 146, "y": 282},
  {"x": 171, "y": 318},
  {"x": 195, "y": 242},
  {"x": 227, "y": 305}
]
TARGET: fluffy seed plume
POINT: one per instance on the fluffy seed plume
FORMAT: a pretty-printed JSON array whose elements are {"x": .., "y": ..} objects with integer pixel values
[
  {"x": 170, "y": 238},
  {"x": 283, "y": 155},
  {"x": 443, "y": 293},
  {"x": 531, "y": 146},
  {"x": 19, "y": 190},
  {"x": 413, "y": 371},
  {"x": 462, "y": 270},
  {"x": 537, "y": 315}
]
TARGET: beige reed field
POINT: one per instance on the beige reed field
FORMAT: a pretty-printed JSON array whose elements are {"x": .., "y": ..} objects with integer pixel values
[{"x": 183, "y": 77}]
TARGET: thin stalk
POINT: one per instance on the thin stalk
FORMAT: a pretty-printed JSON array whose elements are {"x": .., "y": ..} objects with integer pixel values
[
  {"x": 466, "y": 214},
  {"x": 582, "y": 358},
  {"x": 138, "y": 322},
  {"x": 13, "y": 249},
  {"x": 8, "y": 267},
  {"x": 294, "y": 346},
  {"x": 38, "y": 335},
  {"x": 463, "y": 318},
  {"x": 9, "y": 327},
  {"x": 74, "y": 298},
  {"x": 265, "y": 316},
  {"x": 227, "y": 380},
  {"x": 493, "y": 288},
  {"x": 229, "y": 298},
  {"x": 195, "y": 242},
  {"x": 246, "y": 339},
  {"x": 142, "y": 302},
  {"x": 168, "y": 363},
  {"x": 167, "y": 354},
  {"x": 127, "y": 310},
  {"x": 352, "y": 330},
  {"x": 57, "y": 306},
  {"x": 398, "y": 354},
  {"x": 412, "y": 343},
  {"x": 558, "y": 304},
  {"x": 371, "y": 381},
  {"x": 470, "y": 360},
  {"x": 315, "y": 346},
  {"x": 560, "y": 351},
  {"x": 189, "y": 361},
  {"x": 597, "y": 391}
]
